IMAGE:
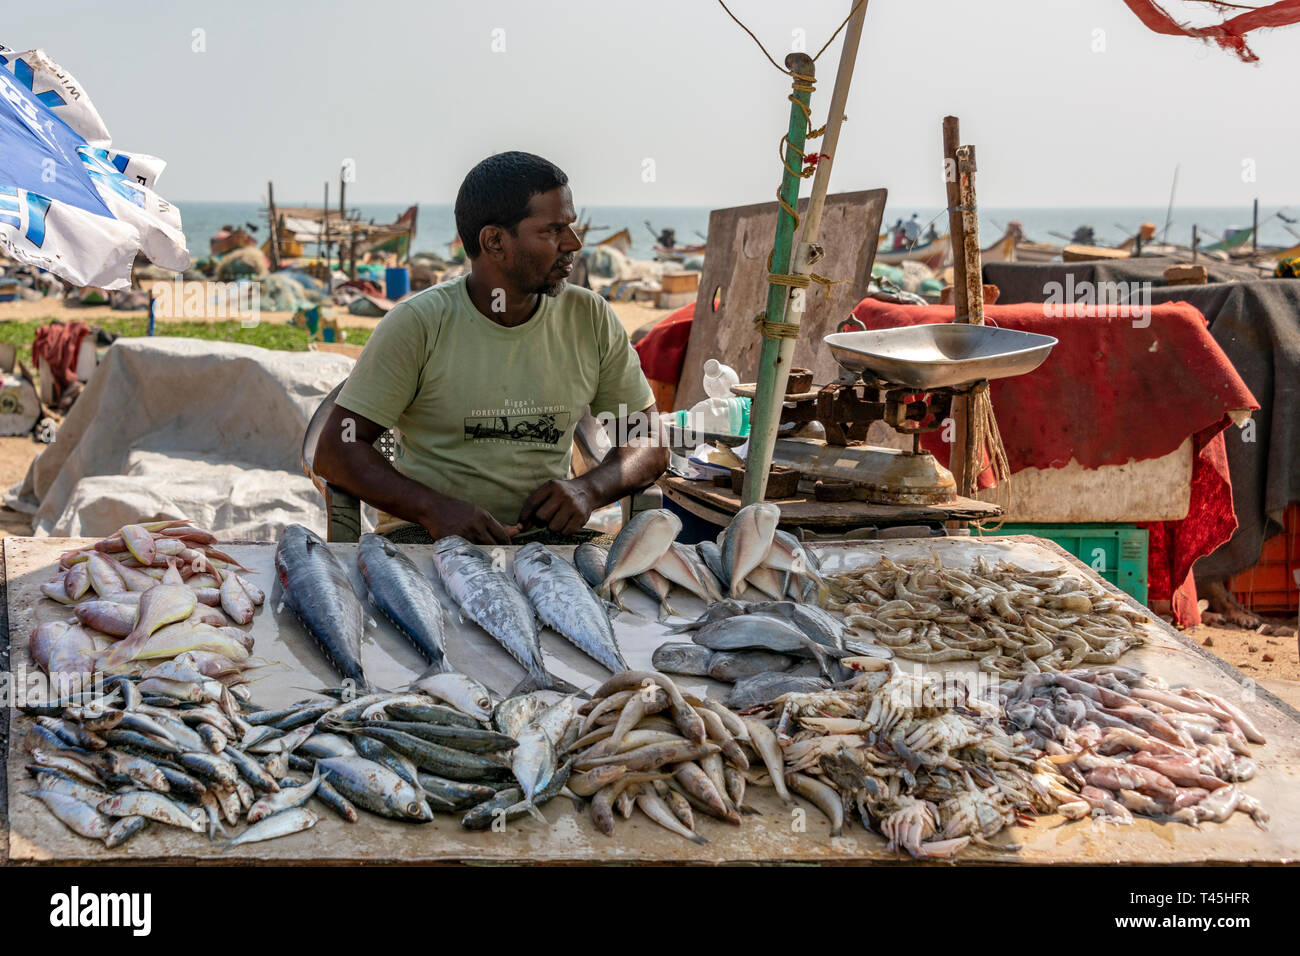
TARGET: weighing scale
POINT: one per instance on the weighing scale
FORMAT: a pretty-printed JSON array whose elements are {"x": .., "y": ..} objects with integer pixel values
[{"x": 906, "y": 378}]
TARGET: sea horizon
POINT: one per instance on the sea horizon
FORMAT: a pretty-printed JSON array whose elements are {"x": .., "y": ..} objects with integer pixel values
[{"x": 435, "y": 225}]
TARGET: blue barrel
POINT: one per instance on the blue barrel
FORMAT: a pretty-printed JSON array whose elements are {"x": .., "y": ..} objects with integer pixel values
[{"x": 397, "y": 282}]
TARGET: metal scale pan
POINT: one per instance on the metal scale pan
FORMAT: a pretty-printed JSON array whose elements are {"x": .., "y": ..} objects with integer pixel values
[{"x": 941, "y": 355}]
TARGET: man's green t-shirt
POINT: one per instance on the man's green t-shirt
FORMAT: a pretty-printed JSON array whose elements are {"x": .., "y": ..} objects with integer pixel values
[{"x": 485, "y": 413}]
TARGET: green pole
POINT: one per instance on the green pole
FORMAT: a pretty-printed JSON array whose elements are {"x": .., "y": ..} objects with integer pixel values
[{"x": 767, "y": 404}]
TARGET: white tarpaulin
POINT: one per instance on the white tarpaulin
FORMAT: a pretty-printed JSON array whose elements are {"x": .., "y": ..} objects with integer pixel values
[
  {"x": 183, "y": 428},
  {"x": 69, "y": 202}
]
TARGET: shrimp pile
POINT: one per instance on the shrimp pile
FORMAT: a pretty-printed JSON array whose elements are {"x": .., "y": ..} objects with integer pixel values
[{"x": 1012, "y": 621}]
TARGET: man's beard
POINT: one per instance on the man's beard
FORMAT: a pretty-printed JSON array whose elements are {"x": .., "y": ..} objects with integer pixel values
[{"x": 554, "y": 289}]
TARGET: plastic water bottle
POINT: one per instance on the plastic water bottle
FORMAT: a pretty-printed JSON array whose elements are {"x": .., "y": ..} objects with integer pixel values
[
  {"x": 718, "y": 379},
  {"x": 725, "y": 416}
]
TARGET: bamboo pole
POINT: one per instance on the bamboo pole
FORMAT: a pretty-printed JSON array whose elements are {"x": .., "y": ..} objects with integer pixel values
[{"x": 777, "y": 354}]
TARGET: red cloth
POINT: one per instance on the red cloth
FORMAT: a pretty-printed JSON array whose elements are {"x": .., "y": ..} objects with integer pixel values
[
  {"x": 58, "y": 344},
  {"x": 1111, "y": 392},
  {"x": 1108, "y": 393},
  {"x": 1230, "y": 34},
  {"x": 663, "y": 350},
  {"x": 1174, "y": 546}
]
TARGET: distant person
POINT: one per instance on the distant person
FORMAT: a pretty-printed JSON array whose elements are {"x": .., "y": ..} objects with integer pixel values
[
  {"x": 912, "y": 230},
  {"x": 896, "y": 235},
  {"x": 511, "y": 343},
  {"x": 931, "y": 234}
]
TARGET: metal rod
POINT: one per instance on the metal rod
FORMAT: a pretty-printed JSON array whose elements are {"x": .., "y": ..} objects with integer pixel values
[{"x": 777, "y": 356}]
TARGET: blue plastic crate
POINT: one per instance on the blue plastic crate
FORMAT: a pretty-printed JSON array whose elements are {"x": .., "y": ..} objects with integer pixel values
[{"x": 1117, "y": 552}]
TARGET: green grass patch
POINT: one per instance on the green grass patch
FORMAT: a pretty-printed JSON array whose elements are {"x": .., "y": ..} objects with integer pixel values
[{"x": 277, "y": 335}]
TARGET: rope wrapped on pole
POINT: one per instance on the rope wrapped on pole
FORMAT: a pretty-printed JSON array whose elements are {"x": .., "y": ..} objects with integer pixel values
[{"x": 775, "y": 325}]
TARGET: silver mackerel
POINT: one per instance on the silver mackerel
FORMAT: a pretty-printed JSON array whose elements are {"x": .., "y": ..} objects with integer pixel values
[
  {"x": 492, "y": 600},
  {"x": 565, "y": 602},
  {"x": 405, "y": 597},
  {"x": 318, "y": 590}
]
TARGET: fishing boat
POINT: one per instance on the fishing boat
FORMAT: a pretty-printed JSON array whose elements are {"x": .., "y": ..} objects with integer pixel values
[
  {"x": 621, "y": 240},
  {"x": 924, "y": 252},
  {"x": 229, "y": 238},
  {"x": 677, "y": 253}
]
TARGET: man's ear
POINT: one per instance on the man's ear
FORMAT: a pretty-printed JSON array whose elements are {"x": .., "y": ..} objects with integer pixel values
[{"x": 491, "y": 240}]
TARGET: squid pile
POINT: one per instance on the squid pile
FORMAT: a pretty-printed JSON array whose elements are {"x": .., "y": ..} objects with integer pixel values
[
  {"x": 146, "y": 594},
  {"x": 1011, "y": 620},
  {"x": 932, "y": 768},
  {"x": 1131, "y": 744},
  {"x": 643, "y": 744}
]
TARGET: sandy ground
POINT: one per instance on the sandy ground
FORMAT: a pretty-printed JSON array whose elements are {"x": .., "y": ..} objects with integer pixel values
[
  {"x": 633, "y": 315},
  {"x": 15, "y": 455}
]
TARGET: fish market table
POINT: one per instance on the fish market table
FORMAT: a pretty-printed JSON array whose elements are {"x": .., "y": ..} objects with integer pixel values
[{"x": 779, "y": 834}]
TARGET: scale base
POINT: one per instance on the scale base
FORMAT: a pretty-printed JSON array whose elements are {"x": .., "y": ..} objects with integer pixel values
[{"x": 879, "y": 475}]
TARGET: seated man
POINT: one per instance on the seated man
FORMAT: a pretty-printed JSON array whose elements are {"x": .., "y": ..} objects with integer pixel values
[{"x": 484, "y": 378}]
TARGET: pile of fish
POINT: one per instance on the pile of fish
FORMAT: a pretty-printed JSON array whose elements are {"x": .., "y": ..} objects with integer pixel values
[
  {"x": 317, "y": 588},
  {"x": 750, "y": 552},
  {"x": 644, "y": 744},
  {"x": 1012, "y": 621},
  {"x": 932, "y": 768},
  {"x": 574, "y": 599},
  {"x": 174, "y": 748},
  {"x": 171, "y": 747},
  {"x": 765, "y": 649},
  {"x": 145, "y": 594}
]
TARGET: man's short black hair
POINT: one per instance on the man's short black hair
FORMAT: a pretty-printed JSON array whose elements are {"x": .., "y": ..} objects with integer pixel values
[{"x": 497, "y": 191}]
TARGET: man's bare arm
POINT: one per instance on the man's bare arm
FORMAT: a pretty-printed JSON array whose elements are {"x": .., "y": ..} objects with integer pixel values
[
  {"x": 360, "y": 469},
  {"x": 565, "y": 506}
]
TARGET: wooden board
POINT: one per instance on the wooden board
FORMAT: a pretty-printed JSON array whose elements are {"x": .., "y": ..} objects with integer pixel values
[
  {"x": 778, "y": 835},
  {"x": 740, "y": 241},
  {"x": 810, "y": 513}
]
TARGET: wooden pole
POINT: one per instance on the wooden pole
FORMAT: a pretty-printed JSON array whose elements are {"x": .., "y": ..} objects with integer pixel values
[
  {"x": 410, "y": 241},
  {"x": 777, "y": 356},
  {"x": 834, "y": 121},
  {"x": 951, "y": 140},
  {"x": 1196, "y": 241},
  {"x": 973, "y": 308},
  {"x": 325, "y": 230},
  {"x": 968, "y": 286},
  {"x": 272, "y": 221},
  {"x": 1254, "y": 228}
]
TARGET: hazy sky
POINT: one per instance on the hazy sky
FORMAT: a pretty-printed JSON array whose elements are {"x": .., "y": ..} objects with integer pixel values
[{"x": 1069, "y": 102}]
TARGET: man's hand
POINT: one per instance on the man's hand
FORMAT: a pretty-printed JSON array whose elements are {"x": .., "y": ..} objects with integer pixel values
[
  {"x": 451, "y": 516},
  {"x": 562, "y": 506}
]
